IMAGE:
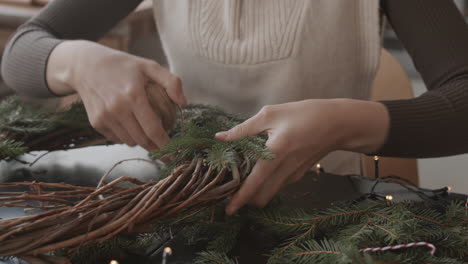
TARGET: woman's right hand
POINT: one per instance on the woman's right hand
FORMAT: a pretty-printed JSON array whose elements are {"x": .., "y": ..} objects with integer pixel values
[{"x": 112, "y": 86}]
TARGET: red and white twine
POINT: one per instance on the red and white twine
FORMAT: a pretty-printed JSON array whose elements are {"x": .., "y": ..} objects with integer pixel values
[
  {"x": 409, "y": 245},
  {"x": 395, "y": 247}
]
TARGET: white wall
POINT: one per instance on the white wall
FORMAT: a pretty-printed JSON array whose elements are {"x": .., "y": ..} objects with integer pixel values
[{"x": 451, "y": 171}]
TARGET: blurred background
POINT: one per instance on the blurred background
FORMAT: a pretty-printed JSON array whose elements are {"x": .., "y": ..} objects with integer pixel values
[{"x": 137, "y": 35}]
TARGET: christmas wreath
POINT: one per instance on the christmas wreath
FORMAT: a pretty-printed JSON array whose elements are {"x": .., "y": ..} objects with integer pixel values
[{"x": 91, "y": 224}]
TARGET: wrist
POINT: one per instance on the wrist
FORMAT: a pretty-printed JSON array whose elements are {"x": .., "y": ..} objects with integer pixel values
[
  {"x": 62, "y": 66},
  {"x": 363, "y": 125}
]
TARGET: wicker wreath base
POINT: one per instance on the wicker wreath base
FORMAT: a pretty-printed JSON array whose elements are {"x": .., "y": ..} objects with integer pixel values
[
  {"x": 73, "y": 216},
  {"x": 203, "y": 171}
]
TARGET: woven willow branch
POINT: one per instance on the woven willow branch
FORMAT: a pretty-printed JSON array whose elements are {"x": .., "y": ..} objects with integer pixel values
[{"x": 73, "y": 216}]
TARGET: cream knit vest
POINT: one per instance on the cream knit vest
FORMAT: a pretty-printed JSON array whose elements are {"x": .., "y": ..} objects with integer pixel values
[{"x": 243, "y": 54}]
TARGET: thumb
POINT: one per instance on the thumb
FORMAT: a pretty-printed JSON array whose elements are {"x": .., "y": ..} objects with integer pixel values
[
  {"x": 249, "y": 128},
  {"x": 171, "y": 83}
]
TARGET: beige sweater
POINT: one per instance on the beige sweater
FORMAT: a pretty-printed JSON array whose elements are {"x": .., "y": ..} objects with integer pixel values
[
  {"x": 244, "y": 54},
  {"x": 433, "y": 32}
]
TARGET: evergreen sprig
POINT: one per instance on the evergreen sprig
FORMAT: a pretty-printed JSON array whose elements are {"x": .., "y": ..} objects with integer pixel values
[
  {"x": 27, "y": 119},
  {"x": 333, "y": 235},
  {"x": 194, "y": 136},
  {"x": 10, "y": 149},
  {"x": 214, "y": 257},
  {"x": 337, "y": 234},
  {"x": 20, "y": 122}
]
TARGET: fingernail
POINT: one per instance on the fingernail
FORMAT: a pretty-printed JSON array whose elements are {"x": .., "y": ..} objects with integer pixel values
[
  {"x": 221, "y": 135},
  {"x": 230, "y": 210}
]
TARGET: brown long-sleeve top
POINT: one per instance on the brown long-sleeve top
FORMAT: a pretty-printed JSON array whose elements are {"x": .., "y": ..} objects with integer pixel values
[{"x": 433, "y": 31}]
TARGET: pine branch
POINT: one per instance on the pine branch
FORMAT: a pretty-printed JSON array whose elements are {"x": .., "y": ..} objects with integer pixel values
[
  {"x": 312, "y": 251},
  {"x": 39, "y": 129},
  {"x": 19, "y": 118},
  {"x": 194, "y": 137},
  {"x": 10, "y": 149},
  {"x": 210, "y": 257},
  {"x": 225, "y": 237}
]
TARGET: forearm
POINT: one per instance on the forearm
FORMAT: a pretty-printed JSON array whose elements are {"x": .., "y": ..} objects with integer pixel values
[
  {"x": 432, "y": 125},
  {"x": 436, "y": 123},
  {"x": 24, "y": 61},
  {"x": 24, "y": 65}
]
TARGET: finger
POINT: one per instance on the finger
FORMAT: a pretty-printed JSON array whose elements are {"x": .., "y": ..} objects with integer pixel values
[
  {"x": 288, "y": 168},
  {"x": 113, "y": 132},
  {"x": 121, "y": 132},
  {"x": 101, "y": 124},
  {"x": 260, "y": 173},
  {"x": 110, "y": 136},
  {"x": 130, "y": 124},
  {"x": 251, "y": 127},
  {"x": 299, "y": 174},
  {"x": 164, "y": 78},
  {"x": 150, "y": 122}
]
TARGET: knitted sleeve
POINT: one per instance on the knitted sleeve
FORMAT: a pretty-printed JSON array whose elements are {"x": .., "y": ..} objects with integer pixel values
[
  {"x": 435, "y": 123},
  {"x": 24, "y": 61}
]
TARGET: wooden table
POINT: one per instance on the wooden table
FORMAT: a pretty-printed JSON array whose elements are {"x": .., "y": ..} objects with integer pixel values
[{"x": 13, "y": 13}]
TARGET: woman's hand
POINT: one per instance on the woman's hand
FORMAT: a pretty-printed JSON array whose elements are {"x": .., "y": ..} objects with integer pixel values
[
  {"x": 112, "y": 86},
  {"x": 300, "y": 134}
]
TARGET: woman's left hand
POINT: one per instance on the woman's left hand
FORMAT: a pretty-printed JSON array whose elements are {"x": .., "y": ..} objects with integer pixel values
[{"x": 299, "y": 135}]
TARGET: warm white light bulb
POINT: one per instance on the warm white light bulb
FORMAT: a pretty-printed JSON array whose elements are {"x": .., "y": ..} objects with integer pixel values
[
  {"x": 113, "y": 262},
  {"x": 376, "y": 158},
  {"x": 319, "y": 166},
  {"x": 389, "y": 197},
  {"x": 168, "y": 251}
]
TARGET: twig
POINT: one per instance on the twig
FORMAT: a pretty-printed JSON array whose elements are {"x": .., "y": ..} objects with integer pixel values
[
  {"x": 117, "y": 164},
  {"x": 39, "y": 158},
  {"x": 71, "y": 224}
]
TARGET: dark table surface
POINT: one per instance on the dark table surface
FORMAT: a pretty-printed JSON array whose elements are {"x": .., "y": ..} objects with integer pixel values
[{"x": 314, "y": 191}]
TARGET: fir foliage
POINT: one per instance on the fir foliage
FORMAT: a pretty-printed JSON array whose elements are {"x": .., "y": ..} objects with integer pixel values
[
  {"x": 19, "y": 121},
  {"x": 194, "y": 136},
  {"x": 214, "y": 257},
  {"x": 27, "y": 119},
  {"x": 10, "y": 149},
  {"x": 333, "y": 235}
]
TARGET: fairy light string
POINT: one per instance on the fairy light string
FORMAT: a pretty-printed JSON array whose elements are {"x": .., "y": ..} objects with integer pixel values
[
  {"x": 410, "y": 186},
  {"x": 376, "y": 167},
  {"x": 166, "y": 252},
  {"x": 318, "y": 169}
]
